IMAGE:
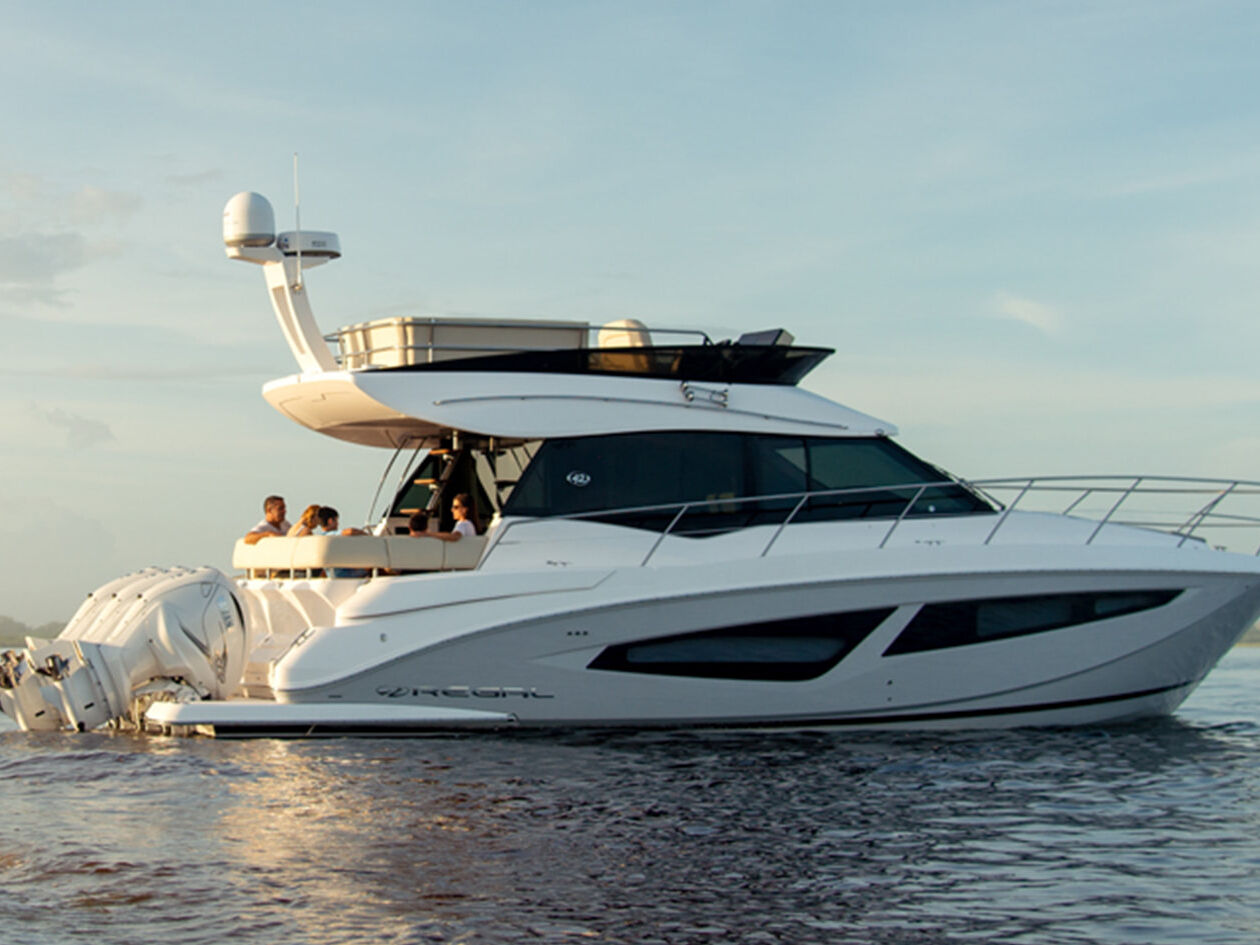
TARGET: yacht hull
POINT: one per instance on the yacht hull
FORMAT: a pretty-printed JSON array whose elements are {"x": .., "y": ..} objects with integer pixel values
[{"x": 542, "y": 659}]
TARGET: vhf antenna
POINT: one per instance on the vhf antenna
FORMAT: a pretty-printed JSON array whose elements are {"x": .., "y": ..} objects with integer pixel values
[{"x": 297, "y": 223}]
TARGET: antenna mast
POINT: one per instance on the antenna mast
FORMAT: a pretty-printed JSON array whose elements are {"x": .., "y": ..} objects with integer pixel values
[{"x": 297, "y": 222}]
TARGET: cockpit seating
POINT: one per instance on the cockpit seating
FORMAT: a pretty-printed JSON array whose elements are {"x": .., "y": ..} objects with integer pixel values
[{"x": 302, "y": 557}]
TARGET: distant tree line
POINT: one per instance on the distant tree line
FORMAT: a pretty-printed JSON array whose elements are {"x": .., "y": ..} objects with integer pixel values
[{"x": 15, "y": 632}]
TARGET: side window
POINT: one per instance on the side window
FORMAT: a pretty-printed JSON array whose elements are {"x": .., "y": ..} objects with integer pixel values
[
  {"x": 792, "y": 649},
  {"x": 867, "y": 466},
  {"x": 630, "y": 471},
  {"x": 964, "y": 623},
  {"x": 508, "y": 465},
  {"x": 779, "y": 465},
  {"x": 623, "y": 471},
  {"x": 844, "y": 464}
]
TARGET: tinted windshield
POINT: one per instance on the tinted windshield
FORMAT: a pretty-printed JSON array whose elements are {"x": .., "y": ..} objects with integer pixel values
[{"x": 590, "y": 474}]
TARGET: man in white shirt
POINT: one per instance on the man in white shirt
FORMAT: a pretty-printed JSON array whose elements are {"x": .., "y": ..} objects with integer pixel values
[{"x": 273, "y": 522}]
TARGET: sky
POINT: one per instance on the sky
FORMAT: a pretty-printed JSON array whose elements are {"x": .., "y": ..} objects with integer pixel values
[{"x": 1031, "y": 231}]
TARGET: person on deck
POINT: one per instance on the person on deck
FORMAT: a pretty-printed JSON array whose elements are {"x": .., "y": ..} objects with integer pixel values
[
  {"x": 273, "y": 524},
  {"x": 328, "y": 522},
  {"x": 307, "y": 523},
  {"x": 465, "y": 516}
]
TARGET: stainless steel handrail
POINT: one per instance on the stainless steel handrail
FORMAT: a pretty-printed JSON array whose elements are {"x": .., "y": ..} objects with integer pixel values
[
  {"x": 364, "y": 355},
  {"x": 1079, "y": 488},
  {"x": 680, "y": 508},
  {"x": 1112, "y": 511},
  {"x": 1193, "y": 522}
]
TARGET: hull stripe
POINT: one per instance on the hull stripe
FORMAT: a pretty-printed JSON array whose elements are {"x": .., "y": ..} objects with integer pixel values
[
  {"x": 966, "y": 713},
  {"x": 333, "y": 730}
]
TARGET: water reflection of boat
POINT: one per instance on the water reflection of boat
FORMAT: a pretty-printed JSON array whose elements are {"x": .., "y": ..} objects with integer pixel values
[{"x": 681, "y": 536}]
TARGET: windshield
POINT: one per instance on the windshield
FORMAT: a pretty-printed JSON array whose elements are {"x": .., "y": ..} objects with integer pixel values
[{"x": 594, "y": 474}]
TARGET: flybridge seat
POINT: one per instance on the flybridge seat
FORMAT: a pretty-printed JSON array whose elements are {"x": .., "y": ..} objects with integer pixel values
[{"x": 366, "y": 552}]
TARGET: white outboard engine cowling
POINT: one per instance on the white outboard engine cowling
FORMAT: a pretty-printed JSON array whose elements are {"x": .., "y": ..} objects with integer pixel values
[{"x": 157, "y": 633}]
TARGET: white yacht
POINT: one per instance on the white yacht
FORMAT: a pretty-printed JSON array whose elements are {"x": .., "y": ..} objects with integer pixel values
[{"x": 676, "y": 534}]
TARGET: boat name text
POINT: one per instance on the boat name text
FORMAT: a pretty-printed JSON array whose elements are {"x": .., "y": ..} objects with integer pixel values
[{"x": 463, "y": 692}]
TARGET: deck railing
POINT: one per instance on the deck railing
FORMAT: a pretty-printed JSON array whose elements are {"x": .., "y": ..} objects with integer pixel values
[
  {"x": 1192, "y": 509},
  {"x": 402, "y": 340}
]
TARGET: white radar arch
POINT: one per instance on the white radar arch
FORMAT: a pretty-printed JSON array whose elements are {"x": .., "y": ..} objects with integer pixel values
[{"x": 249, "y": 235}]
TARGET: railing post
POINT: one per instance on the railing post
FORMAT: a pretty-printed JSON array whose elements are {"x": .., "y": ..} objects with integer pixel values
[
  {"x": 660, "y": 538},
  {"x": 782, "y": 525},
  {"x": 1079, "y": 499},
  {"x": 1007, "y": 511},
  {"x": 1112, "y": 511},
  {"x": 1198, "y": 517},
  {"x": 904, "y": 512}
]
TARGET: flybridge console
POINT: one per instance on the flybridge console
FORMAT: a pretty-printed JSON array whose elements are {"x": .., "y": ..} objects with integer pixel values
[{"x": 249, "y": 234}]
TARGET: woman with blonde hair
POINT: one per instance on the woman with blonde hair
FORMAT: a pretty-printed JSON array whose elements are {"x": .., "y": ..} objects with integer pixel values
[{"x": 307, "y": 523}]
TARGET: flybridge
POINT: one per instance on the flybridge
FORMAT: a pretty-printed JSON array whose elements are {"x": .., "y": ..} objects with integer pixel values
[
  {"x": 625, "y": 347},
  {"x": 404, "y": 380}
]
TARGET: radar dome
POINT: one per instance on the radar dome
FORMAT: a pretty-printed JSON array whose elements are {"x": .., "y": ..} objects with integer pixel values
[{"x": 248, "y": 220}]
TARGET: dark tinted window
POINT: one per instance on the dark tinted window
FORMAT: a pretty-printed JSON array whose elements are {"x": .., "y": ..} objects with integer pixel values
[
  {"x": 589, "y": 474},
  {"x": 592, "y": 473},
  {"x": 784, "y": 650},
  {"x": 858, "y": 464},
  {"x": 960, "y": 623}
]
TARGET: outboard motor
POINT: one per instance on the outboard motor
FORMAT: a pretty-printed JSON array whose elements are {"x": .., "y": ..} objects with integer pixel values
[{"x": 175, "y": 633}]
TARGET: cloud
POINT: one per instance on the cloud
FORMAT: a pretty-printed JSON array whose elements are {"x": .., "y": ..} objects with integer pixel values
[
  {"x": 46, "y": 234},
  {"x": 124, "y": 372},
  {"x": 1239, "y": 165},
  {"x": 80, "y": 431},
  {"x": 1038, "y": 315},
  {"x": 60, "y": 347},
  {"x": 23, "y": 187},
  {"x": 32, "y": 258},
  {"x": 31, "y": 262},
  {"x": 192, "y": 180},
  {"x": 93, "y": 205},
  {"x": 990, "y": 391},
  {"x": 39, "y": 204}
]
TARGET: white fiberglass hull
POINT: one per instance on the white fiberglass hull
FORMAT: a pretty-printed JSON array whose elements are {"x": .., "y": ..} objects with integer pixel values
[{"x": 520, "y": 646}]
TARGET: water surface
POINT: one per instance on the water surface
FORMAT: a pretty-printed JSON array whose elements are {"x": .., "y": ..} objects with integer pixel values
[{"x": 1138, "y": 834}]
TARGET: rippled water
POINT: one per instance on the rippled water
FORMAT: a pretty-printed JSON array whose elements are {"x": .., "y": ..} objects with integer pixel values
[{"x": 1139, "y": 834}]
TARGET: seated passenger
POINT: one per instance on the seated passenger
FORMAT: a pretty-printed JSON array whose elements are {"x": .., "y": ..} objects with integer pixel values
[
  {"x": 465, "y": 516},
  {"x": 329, "y": 521},
  {"x": 417, "y": 527},
  {"x": 273, "y": 523},
  {"x": 307, "y": 523}
]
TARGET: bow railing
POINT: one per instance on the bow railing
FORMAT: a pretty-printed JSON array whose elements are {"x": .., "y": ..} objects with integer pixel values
[
  {"x": 1189, "y": 507},
  {"x": 1220, "y": 512}
]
